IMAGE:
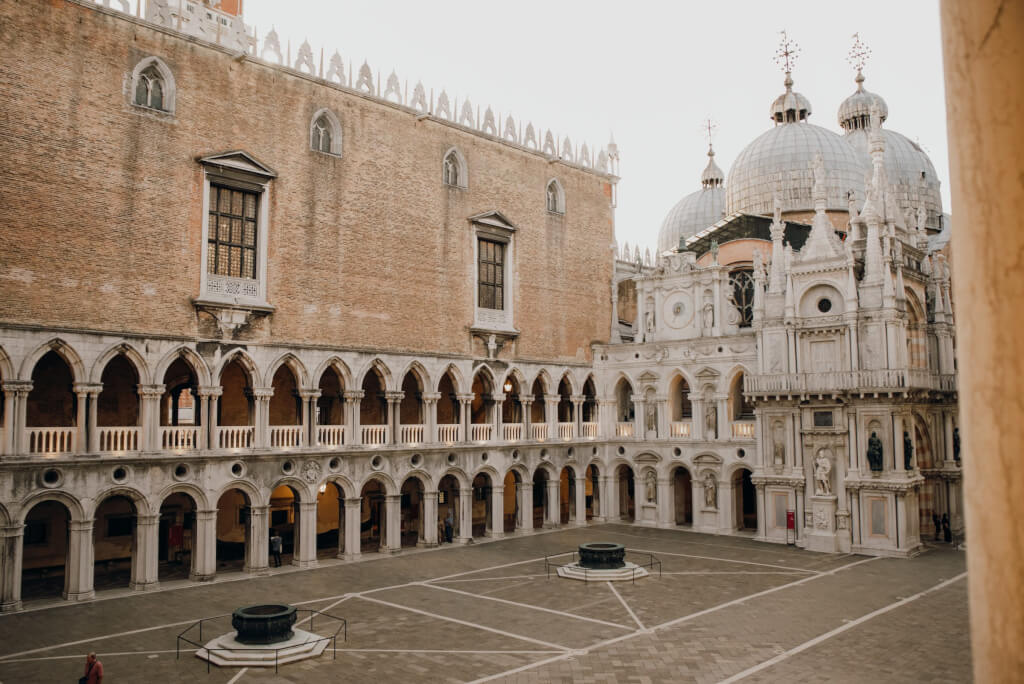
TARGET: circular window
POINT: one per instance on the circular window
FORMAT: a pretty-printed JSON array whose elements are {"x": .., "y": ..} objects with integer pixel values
[
  {"x": 52, "y": 477},
  {"x": 544, "y": 453},
  {"x": 120, "y": 474},
  {"x": 181, "y": 471},
  {"x": 288, "y": 467},
  {"x": 622, "y": 450},
  {"x": 237, "y": 469},
  {"x": 451, "y": 458},
  {"x": 377, "y": 462},
  {"x": 334, "y": 464},
  {"x": 719, "y": 350},
  {"x": 570, "y": 452},
  {"x": 416, "y": 460},
  {"x": 824, "y": 305},
  {"x": 594, "y": 451},
  {"x": 515, "y": 455},
  {"x": 483, "y": 456},
  {"x": 740, "y": 453},
  {"x": 677, "y": 451}
]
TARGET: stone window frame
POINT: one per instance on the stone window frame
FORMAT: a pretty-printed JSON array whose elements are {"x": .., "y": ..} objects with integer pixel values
[
  {"x": 556, "y": 207},
  {"x": 461, "y": 167},
  {"x": 170, "y": 89},
  {"x": 226, "y": 171},
  {"x": 334, "y": 124},
  {"x": 493, "y": 227}
]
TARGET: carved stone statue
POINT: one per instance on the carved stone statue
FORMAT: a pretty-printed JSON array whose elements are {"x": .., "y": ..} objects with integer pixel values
[
  {"x": 649, "y": 321},
  {"x": 908, "y": 451},
  {"x": 956, "y": 444},
  {"x": 822, "y": 472},
  {"x": 709, "y": 315},
  {"x": 922, "y": 217},
  {"x": 714, "y": 251},
  {"x": 711, "y": 422},
  {"x": 651, "y": 417},
  {"x": 777, "y": 208},
  {"x": 710, "y": 491},
  {"x": 875, "y": 452},
  {"x": 652, "y": 488},
  {"x": 778, "y": 444}
]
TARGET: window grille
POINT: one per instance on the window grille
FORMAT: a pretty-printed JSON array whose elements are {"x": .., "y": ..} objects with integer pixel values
[
  {"x": 491, "y": 275},
  {"x": 232, "y": 232}
]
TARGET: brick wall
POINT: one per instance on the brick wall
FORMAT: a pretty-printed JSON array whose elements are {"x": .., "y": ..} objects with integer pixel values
[{"x": 103, "y": 205}]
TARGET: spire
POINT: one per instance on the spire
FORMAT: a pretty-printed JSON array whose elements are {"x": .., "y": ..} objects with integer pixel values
[
  {"x": 712, "y": 177},
  {"x": 820, "y": 242},
  {"x": 777, "y": 275}
]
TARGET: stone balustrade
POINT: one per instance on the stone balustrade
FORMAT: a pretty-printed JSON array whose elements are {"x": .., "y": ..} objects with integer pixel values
[
  {"x": 885, "y": 379},
  {"x": 119, "y": 438},
  {"x": 50, "y": 440},
  {"x": 330, "y": 435},
  {"x": 286, "y": 436},
  {"x": 374, "y": 435},
  {"x": 179, "y": 437}
]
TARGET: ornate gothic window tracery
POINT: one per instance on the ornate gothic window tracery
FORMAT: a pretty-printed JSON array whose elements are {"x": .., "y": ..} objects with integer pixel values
[
  {"x": 741, "y": 282},
  {"x": 149, "y": 90}
]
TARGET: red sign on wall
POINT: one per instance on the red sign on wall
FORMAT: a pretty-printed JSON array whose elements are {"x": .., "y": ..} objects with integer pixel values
[{"x": 790, "y": 520}]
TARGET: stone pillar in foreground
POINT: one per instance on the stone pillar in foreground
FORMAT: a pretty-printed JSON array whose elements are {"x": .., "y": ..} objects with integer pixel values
[{"x": 984, "y": 66}]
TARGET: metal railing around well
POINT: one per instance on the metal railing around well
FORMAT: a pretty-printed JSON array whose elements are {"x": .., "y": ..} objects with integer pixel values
[
  {"x": 198, "y": 626},
  {"x": 641, "y": 559}
]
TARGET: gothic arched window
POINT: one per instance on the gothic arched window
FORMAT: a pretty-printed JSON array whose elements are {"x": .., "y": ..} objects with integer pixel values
[
  {"x": 453, "y": 169},
  {"x": 555, "y": 197},
  {"x": 153, "y": 85},
  {"x": 325, "y": 133},
  {"x": 741, "y": 283}
]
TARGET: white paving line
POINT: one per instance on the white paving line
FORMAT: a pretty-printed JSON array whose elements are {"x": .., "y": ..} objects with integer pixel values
[
  {"x": 465, "y": 623},
  {"x": 105, "y": 655},
  {"x": 527, "y": 605},
  {"x": 664, "y": 625},
  {"x": 723, "y": 560},
  {"x": 626, "y": 606},
  {"x": 9, "y": 656},
  {"x": 839, "y": 630},
  {"x": 736, "y": 572},
  {"x": 432, "y": 650},
  {"x": 496, "y": 567},
  {"x": 238, "y": 676},
  {"x": 488, "y": 579}
]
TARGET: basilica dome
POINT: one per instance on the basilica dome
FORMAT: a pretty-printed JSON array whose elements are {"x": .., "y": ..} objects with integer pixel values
[
  {"x": 696, "y": 211},
  {"x": 780, "y": 160}
]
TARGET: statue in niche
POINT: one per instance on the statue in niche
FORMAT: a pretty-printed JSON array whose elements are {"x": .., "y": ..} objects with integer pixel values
[
  {"x": 651, "y": 416},
  {"x": 875, "y": 452},
  {"x": 908, "y": 451},
  {"x": 711, "y": 422},
  {"x": 709, "y": 315},
  {"x": 652, "y": 489},
  {"x": 778, "y": 444},
  {"x": 822, "y": 474},
  {"x": 710, "y": 491},
  {"x": 649, "y": 321},
  {"x": 956, "y": 444},
  {"x": 777, "y": 208}
]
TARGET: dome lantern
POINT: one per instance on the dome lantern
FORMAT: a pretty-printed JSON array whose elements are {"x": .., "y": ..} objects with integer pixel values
[
  {"x": 855, "y": 111},
  {"x": 790, "y": 107}
]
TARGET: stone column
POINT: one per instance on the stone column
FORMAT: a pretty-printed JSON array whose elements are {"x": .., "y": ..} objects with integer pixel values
[
  {"x": 341, "y": 526},
  {"x": 762, "y": 523},
  {"x": 666, "y": 503},
  {"x": 612, "y": 488},
  {"x": 524, "y": 518},
  {"x": 498, "y": 512},
  {"x": 801, "y": 522},
  {"x": 465, "y": 531},
  {"x": 498, "y": 399},
  {"x": 310, "y": 432},
  {"x": 261, "y": 416},
  {"x": 149, "y": 416},
  {"x": 394, "y": 399},
  {"x": 697, "y": 421},
  {"x": 147, "y": 548},
  {"x": 465, "y": 415},
  {"x": 897, "y": 442},
  {"x": 393, "y": 523},
  {"x": 430, "y": 518},
  {"x": 11, "y": 547},
  {"x": 257, "y": 541},
  {"x": 724, "y": 419},
  {"x": 661, "y": 402},
  {"x": 208, "y": 397},
  {"x": 581, "y": 500},
  {"x": 553, "y": 517},
  {"x": 352, "y": 401},
  {"x": 430, "y": 400},
  {"x": 78, "y": 571},
  {"x": 85, "y": 420},
  {"x": 577, "y": 413},
  {"x": 947, "y": 438},
  {"x": 353, "y": 541},
  {"x": 727, "y": 522},
  {"x": 551, "y": 414},
  {"x": 15, "y": 395},
  {"x": 305, "y": 532},
  {"x": 204, "y": 547},
  {"x": 697, "y": 503},
  {"x": 526, "y": 403}
]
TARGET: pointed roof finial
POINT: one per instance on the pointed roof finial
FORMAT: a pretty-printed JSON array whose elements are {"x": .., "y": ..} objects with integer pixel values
[
  {"x": 790, "y": 106},
  {"x": 712, "y": 177},
  {"x": 857, "y": 57},
  {"x": 786, "y": 56}
]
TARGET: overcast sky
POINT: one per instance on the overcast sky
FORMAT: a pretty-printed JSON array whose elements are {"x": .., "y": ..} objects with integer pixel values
[{"x": 649, "y": 72}]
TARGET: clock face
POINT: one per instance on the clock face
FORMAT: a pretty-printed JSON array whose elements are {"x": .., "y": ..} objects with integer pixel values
[{"x": 678, "y": 310}]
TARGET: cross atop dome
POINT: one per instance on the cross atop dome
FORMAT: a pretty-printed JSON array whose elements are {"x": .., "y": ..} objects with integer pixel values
[
  {"x": 790, "y": 107},
  {"x": 787, "y": 54},
  {"x": 857, "y": 57},
  {"x": 708, "y": 128}
]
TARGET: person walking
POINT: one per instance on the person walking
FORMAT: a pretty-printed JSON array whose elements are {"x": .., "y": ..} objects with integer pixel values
[
  {"x": 449, "y": 525},
  {"x": 938, "y": 525},
  {"x": 275, "y": 548},
  {"x": 93, "y": 670},
  {"x": 947, "y": 532}
]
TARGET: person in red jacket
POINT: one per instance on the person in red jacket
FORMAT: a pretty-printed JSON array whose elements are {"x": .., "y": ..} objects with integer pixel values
[{"x": 93, "y": 671}]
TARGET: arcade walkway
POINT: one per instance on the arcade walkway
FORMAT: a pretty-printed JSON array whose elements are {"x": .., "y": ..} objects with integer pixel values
[{"x": 724, "y": 607}]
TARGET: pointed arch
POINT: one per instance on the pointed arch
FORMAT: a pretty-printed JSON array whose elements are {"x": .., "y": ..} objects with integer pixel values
[
  {"x": 517, "y": 469},
  {"x": 153, "y": 86},
  {"x": 245, "y": 361},
  {"x": 544, "y": 378},
  {"x": 454, "y": 169},
  {"x": 570, "y": 381},
  {"x": 130, "y": 353},
  {"x": 555, "y": 197},
  {"x": 483, "y": 370},
  {"x": 190, "y": 357},
  {"x": 490, "y": 472},
  {"x": 348, "y": 489},
  {"x": 325, "y": 132},
  {"x": 520, "y": 378},
  {"x": 62, "y": 349},
  {"x": 294, "y": 363},
  {"x": 419, "y": 372},
  {"x": 381, "y": 368},
  {"x": 547, "y": 468},
  {"x": 303, "y": 492},
  {"x": 6, "y": 367},
  {"x": 423, "y": 476},
  {"x": 456, "y": 378},
  {"x": 339, "y": 366}
]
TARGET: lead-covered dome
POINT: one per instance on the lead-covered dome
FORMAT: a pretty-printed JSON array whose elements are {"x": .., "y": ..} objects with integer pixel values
[
  {"x": 696, "y": 211},
  {"x": 855, "y": 111}
]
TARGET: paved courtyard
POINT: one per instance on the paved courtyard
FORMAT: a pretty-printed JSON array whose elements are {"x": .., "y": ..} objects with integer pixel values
[{"x": 724, "y": 609}]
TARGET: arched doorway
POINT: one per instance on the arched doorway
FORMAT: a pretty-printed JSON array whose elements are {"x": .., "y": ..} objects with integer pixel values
[
  {"x": 566, "y": 494},
  {"x": 330, "y": 410},
  {"x": 448, "y": 509},
  {"x": 448, "y": 416},
  {"x": 745, "y": 496},
  {"x": 284, "y": 522},
  {"x": 593, "y": 492},
  {"x": 540, "y": 498},
  {"x": 234, "y": 408},
  {"x": 45, "y": 552},
  {"x": 627, "y": 493},
  {"x": 51, "y": 417},
  {"x": 373, "y": 410},
  {"x": 411, "y": 419},
  {"x": 233, "y": 529},
  {"x": 588, "y": 410},
  {"x": 372, "y": 517},
  {"x": 682, "y": 490},
  {"x": 285, "y": 420},
  {"x": 177, "y": 543},
  {"x": 681, "y": 407},
  {"x": 624, "y": 409},
  {"x": 330, "y": 521},
  {"x": 511, "y": 501},
  {"x": 179, "y": 407},
  {"x": 482, "y": 505},
  {"x": 412, "y": 512},
  {"x": 114, "y": 543},
  {"x": 117, "y": 407},
  {"x": 481, "y": 422},
  {"x": 538, "y": 411}
]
